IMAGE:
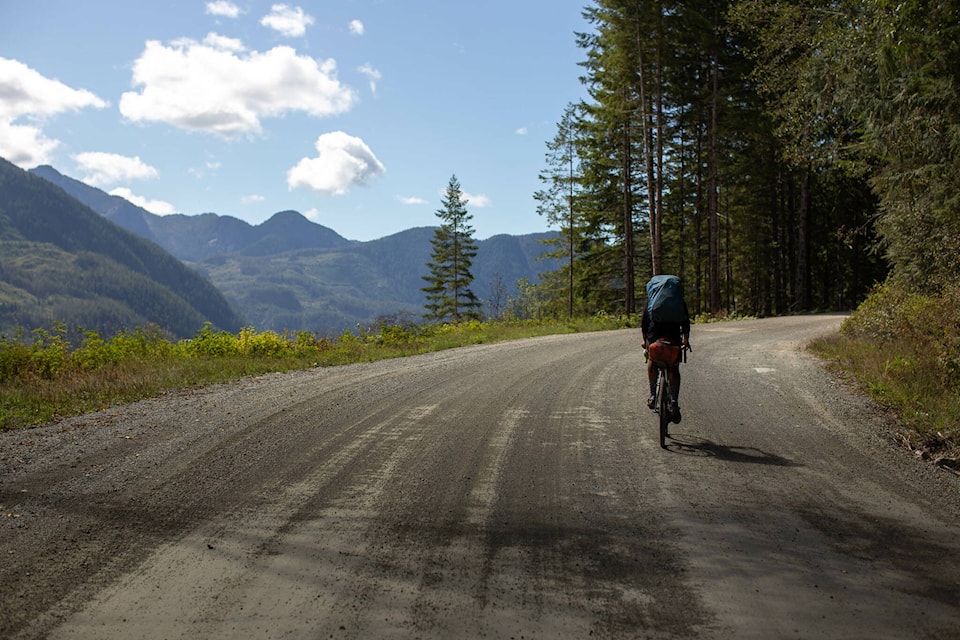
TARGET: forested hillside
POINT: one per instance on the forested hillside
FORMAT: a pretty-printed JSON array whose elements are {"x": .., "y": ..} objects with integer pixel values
[{"x": 62, "y": 262}]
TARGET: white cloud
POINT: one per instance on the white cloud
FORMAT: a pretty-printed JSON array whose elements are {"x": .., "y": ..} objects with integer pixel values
[
  {"x": 357, "y": 28},
  {"x": 478, "y": 200},
  {"x": 371, "y": 73},
  {"x": 312, "y": 214},
  {"x": 289, "y": 21},
  {"x": 217, "y": 87},
  {"x": 522, "y": 131},
  {"x": 25, "y": 93},
  {"x": 25, "y": 145},
  {"x": 251, "y": 199},
  {"x": 108, "y": 168},
  {"x": 342, "y": 162},
  {"x": 223, "y": 8},
  {"x": 223, "y": 43},
  {"x": 159, "y": 207},
  {"x": 411, "y": 200}
]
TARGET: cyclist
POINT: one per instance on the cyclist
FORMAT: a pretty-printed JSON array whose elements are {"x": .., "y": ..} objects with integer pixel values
[{"x": 663, "y": 341}]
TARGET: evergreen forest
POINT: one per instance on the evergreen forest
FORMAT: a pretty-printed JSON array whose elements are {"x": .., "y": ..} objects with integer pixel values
[{"x": 780, "y": 156}]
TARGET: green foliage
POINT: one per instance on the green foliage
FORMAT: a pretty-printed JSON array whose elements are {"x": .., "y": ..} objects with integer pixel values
[
  {"x": 209, "y": 343},
  {"x": 448, "y": 291},
  {"x": 95, "y": 353},
  {"x": 904, "y": 347},
  {"x": 908, "y": 100},
  {"x": 872, "y": 90}
]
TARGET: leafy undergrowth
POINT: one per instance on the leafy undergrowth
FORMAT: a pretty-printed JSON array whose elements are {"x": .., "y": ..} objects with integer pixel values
[
  {"x": 903, "y": 347},
  {"x": 49, "y": 377}
]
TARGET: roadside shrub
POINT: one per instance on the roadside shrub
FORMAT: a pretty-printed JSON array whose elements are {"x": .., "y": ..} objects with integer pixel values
[
  {"x": 267, "y": 344},
  {"x": 50, "y": 352},
  {"x": 926, "y": 325},
  {"x": 891, "y": 312},
  {"x": 94, "y": 353},
  {"x": 15, "y": 357},
  {"x": 209, "y": 343},
  {"x": 306, "y": 342},
  {"x": 904, "y": 347}
]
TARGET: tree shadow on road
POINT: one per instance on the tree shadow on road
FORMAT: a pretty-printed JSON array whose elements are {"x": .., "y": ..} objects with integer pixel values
[{"x": 695, "y": 446}]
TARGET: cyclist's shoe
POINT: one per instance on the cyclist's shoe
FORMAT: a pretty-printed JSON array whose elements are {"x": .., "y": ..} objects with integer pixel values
[
  {"x": 652, "y": 400},
  {"x": 675, "y": 416}
]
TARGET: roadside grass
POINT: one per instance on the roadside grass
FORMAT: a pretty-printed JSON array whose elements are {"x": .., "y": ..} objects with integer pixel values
[
  {"x": 48, "y": 377},
  {"x": 903, "y": 348}
]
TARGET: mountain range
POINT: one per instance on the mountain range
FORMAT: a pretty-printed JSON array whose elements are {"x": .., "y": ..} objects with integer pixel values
[
  {"x": 286, "y": 273},
  {"x": 62, "y": 262}
]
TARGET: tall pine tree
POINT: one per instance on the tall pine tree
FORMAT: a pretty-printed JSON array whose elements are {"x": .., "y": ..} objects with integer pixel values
[
  {"x": 556, "y": 201},
  {"x": 449, "y": 296}
]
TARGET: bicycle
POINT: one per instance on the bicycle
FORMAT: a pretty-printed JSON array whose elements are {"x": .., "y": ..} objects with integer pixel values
[{"x": 661, "y": 404}]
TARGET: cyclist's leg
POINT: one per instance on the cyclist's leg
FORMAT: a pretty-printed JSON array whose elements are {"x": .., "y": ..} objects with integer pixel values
[
  {"x": 675, "y": 382},
  {"x": 674, "y": 373},
  {"x": 652, "y": 378}
]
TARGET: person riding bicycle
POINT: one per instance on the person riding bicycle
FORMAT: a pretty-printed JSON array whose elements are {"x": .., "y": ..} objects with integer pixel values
[{"x": 666, "y": 331}]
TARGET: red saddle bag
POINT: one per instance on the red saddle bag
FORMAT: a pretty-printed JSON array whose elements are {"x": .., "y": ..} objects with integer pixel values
[{"x": 663, "y": 351}]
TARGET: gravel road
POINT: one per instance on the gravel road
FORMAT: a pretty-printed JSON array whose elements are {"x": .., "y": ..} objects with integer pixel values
[{"x": 514, "y": 490}]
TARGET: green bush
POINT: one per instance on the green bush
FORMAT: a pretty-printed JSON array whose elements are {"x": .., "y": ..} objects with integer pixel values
[
  {"x": 15, "y": 357},
  {"x": 209, "y": 343},
  {"x": 904, "y": 347}
]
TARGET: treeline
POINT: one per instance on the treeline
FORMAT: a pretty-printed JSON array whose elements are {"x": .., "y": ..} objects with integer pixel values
[{"x": 779, "y": 156}]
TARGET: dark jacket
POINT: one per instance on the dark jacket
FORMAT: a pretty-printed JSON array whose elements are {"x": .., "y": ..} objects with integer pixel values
[{"x": 672, "y": 331}]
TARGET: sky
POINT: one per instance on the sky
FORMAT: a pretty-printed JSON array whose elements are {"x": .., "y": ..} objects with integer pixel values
[{"x": 355, "y": 113}]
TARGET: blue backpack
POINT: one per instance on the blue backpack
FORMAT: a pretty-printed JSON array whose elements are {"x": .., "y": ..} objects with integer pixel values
[{"x": 665, "y": 301}]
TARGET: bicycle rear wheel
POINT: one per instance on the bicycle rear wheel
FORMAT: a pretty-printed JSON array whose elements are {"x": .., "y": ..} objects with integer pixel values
[{"x": 663, "y": 406}]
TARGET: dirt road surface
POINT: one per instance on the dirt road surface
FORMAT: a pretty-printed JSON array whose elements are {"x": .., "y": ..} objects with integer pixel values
[{"x": 514, "y": 490}]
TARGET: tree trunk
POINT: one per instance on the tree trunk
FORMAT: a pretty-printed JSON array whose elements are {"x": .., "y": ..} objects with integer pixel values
[
  {"x": 628, "y": 222},
  {"x": 700, "y": 208},
  {"x": 656, "y": 239},
  {"x": 659, "y": 130},
  {"x": 802, "y": 300},
  {"x": 712, "y": 202},
  {"x": 570, "y": 241}
]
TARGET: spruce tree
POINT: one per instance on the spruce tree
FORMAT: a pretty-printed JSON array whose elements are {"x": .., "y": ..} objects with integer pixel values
[
  {"x": 556, "y": 201},
  {"x": 449, "y": 296}
]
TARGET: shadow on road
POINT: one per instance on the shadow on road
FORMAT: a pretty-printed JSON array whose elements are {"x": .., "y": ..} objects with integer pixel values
[{"x": 694, "y": 446}]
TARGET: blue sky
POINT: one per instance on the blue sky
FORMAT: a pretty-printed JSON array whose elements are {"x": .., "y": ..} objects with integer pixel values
[{"x": 353, "y": 112}]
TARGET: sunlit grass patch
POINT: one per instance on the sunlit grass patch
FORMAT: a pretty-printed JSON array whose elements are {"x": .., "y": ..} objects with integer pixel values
[{"x": 48, "y": 377}]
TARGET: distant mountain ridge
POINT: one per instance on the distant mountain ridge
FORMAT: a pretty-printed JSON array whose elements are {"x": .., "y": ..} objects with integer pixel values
[
  {"x": 61, "y": 261},
  {"x": 193, "y": 238},
  {"x": 291, "y": 273}
]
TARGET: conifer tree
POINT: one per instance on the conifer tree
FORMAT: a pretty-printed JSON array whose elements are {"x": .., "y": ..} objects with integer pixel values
[
  {"x": 449, "y": 296},
  {"x": 556, "y": 201}
]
